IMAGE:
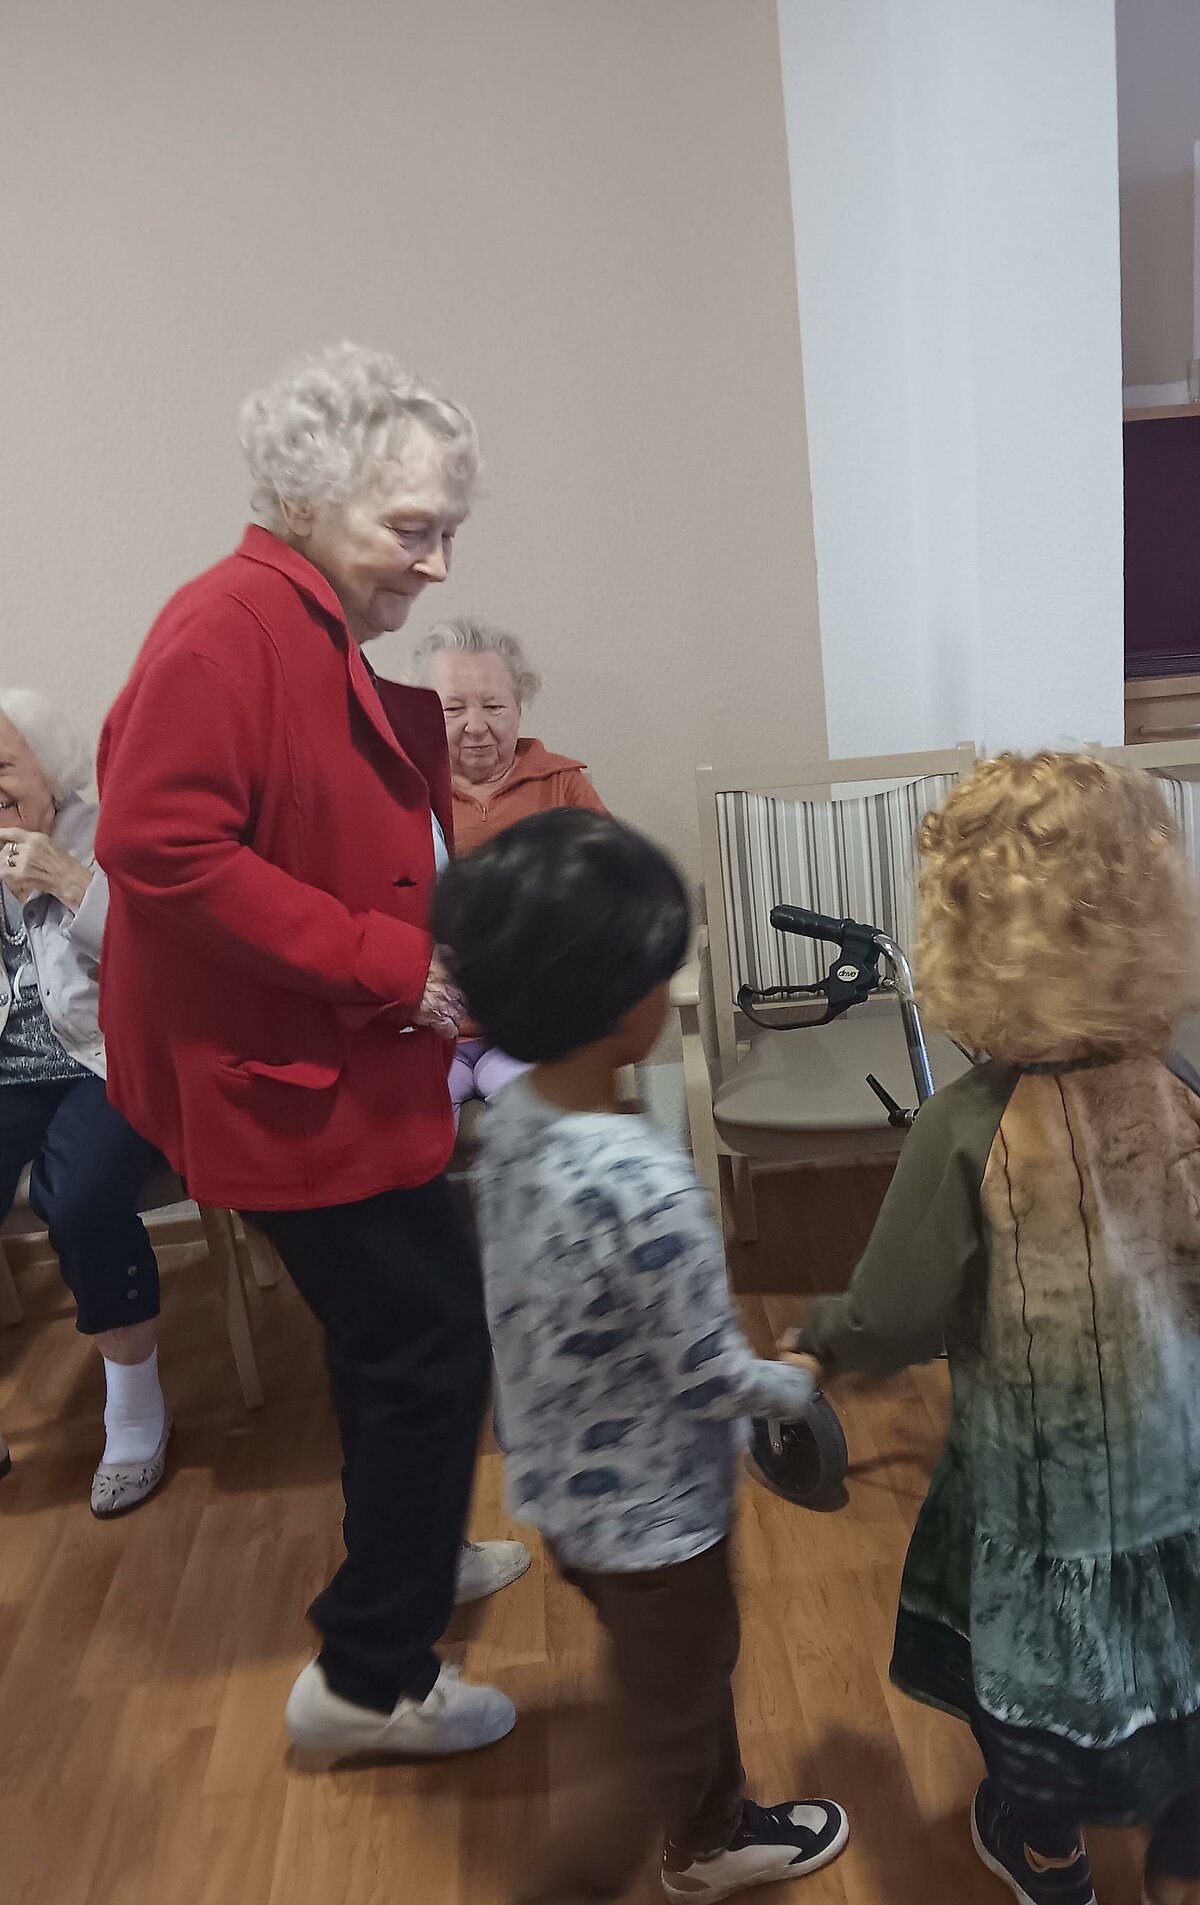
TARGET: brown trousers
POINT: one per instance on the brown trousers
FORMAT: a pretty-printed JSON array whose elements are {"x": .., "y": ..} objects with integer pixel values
[{"x": 670, "y": 1764}]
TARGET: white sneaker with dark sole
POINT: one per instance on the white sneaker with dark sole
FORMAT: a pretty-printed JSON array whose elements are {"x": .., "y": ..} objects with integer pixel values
[
  {"x": 773, "y": 1843},
  {"x": 484, "y": 1567},
  {"x": 457, "y": 1717}
]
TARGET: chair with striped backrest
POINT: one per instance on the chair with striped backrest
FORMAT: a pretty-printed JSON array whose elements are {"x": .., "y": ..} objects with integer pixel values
[
  {"x": 1176, "y": 764},
  {"x": 838, "y": 837}
]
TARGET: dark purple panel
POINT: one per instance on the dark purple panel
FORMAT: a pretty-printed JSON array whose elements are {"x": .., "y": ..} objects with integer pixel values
[{"x": 1162, "y": 547}]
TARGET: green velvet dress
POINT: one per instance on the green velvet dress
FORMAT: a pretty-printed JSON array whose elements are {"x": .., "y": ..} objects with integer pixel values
[{"x": 1045, "y": 1226}]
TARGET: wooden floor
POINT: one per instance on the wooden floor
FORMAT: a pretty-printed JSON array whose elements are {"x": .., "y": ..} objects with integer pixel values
[{"x": 144, "y": 1664}]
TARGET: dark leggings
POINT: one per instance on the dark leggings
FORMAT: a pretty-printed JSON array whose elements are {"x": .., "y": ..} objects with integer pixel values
[
  {"x": 1174, "y": 1848},
  {"x": 1056, "y": 1831}
]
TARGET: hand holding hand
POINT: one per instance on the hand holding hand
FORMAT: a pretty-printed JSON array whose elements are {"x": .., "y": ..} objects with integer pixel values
[
  {"x": 809, "y": 1364},
  {"x": 787, "y": 1352},
  {"x": 442, "y": 1008},
  {"x": 31, "y": 863}
]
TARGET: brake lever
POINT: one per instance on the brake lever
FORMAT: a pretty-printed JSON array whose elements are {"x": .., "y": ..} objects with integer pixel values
[{"x": 898, "y": 1117}]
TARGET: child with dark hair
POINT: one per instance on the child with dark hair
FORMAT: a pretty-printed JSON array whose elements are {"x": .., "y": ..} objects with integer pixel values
[{"x": 622, "y": 1371}]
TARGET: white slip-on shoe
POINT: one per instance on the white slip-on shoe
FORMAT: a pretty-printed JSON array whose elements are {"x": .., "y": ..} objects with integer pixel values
[
  {"x": 457, "y": 1717},
  {"x": 773, "y": 1843},
  {"x": 118, "y": 1487},
  {"x": 484, "y": 1567}
]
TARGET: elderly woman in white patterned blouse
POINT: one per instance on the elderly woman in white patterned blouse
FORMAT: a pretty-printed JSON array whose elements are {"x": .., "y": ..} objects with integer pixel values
[{"x": 88, "y": 1165}]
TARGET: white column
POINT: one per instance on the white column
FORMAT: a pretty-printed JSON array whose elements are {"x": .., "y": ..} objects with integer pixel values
[{"x": 954, "y": 190}]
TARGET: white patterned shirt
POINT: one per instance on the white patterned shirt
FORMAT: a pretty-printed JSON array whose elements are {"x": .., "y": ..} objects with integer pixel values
[{"x": 622, "y": 1370}]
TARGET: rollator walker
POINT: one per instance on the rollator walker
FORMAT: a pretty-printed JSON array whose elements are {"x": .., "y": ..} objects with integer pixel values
[{"x": 806, "y": 1461}]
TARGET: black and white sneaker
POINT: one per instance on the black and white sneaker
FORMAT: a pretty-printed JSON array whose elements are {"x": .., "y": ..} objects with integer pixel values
[
  {"x": 1032, "y": 1878},
  {"x": 773, "y": 1843}
]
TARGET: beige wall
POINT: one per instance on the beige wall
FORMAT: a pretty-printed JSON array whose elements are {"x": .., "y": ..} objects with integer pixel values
[
  {"x": 1158, "y": 110},
  {"x": 573, "y": 214}
]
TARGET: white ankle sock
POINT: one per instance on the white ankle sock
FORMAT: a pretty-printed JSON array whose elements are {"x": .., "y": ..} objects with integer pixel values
[{"x": 134, "y": 1411}]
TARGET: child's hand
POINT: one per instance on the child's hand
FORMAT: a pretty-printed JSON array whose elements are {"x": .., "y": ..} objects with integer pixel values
[{"x": 810, "y": 1364}]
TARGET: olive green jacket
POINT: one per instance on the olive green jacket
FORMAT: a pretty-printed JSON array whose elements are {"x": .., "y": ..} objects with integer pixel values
[{"x": 1044, "y": 1227}]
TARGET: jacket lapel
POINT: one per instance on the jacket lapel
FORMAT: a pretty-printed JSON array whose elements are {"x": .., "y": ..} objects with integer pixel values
[
  {"x": 418, "y": 728},
  {"x": 409, "y": 721}
]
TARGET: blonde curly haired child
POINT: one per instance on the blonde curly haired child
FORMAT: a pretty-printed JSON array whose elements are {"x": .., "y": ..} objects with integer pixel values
[{"x": 1044, "y": 1226}]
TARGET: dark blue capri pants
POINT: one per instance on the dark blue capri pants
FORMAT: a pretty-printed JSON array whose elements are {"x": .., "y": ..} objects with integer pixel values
[{"x": 89, "y": 1168}]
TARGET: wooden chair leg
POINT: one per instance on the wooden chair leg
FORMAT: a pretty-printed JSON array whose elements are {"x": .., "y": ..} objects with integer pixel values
[
  {"x": 11, "y": 1308},
  {"x": 221, "y": 1239},
  {"x": 260, "y": 1254},
  {"x": 745, "y": 1211},
  {"x": 698, "y": 1092}
]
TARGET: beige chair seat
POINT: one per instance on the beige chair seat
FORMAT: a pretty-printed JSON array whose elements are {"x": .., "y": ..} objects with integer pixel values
[
  {"x": 803, "y": 1095},
  {"x": 160, "y": 1192}
]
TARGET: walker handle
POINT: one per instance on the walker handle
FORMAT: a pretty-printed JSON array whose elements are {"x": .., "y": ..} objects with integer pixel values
[{"x": 809, "y": 925}]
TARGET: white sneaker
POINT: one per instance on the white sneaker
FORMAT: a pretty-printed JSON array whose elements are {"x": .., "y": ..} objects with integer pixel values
[
  {"x": 484, "y": 1567},
  {"x": 457, "y": 1717},
  {"x": 773, "y": 1843}
]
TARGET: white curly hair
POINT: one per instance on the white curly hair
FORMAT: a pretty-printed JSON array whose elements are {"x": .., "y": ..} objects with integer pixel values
[
  {"x": 56, "y": 747},
  {"x": 464, "y": 636},
  {"x": 324, "y": 429}
]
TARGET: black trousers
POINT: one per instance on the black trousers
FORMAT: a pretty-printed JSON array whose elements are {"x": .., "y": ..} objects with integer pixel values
[
  {"x": 396, "y": 1285},
  {"x": 89, "y": 1168}
]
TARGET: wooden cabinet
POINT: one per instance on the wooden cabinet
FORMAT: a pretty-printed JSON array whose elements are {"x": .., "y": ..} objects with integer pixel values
[{"x": 1163, "y": 708}]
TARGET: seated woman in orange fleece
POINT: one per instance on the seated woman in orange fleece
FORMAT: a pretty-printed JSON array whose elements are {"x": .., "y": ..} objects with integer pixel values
[{"x": 485, "y": 683}]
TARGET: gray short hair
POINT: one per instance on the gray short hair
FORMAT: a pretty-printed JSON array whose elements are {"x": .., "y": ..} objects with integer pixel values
[
  {"x": 58, "y": 750},
  {"x": 464, "y": 636},
  {"x": 323, "y": 430}
]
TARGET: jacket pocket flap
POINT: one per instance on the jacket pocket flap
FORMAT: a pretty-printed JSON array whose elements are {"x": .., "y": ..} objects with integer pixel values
[{"x": 306, "y": 1074}]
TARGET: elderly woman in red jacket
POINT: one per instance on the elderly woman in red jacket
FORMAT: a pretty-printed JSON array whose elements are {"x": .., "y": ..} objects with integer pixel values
[{"x": 272, "y": 817}]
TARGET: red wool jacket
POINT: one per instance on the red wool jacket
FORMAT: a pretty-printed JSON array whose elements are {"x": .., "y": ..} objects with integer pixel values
[{"x": 265, "y": 827}]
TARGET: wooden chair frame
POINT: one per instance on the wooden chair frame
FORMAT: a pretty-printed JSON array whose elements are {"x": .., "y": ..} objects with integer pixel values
[{"x": 236, "y": 1252}]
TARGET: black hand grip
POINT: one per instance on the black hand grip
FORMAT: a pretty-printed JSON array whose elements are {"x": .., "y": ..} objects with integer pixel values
[{"x": 798, "y": 919}]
